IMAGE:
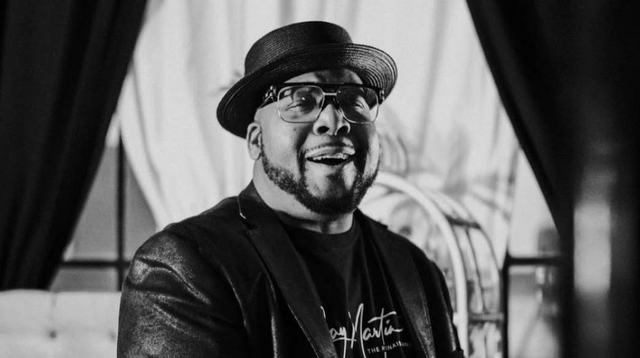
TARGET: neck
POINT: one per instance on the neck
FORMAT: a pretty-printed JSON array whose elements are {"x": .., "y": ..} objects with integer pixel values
[
  {"x": 293, "y": 213},
  {"x": 323, "y": 225}
]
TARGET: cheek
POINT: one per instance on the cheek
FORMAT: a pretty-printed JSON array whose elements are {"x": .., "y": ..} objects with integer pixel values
[
  {"x": 374, "y": 144},
  {"x": 298, "y": 137},
  {"x": 374, "y": 154},
  {"x": 370, "y": 140},
  {"x": 283, "y": 143}
]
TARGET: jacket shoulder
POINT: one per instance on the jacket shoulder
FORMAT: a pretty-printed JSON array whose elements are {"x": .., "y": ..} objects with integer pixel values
[
  {"x": 178, "y": 290},
  {"x": 222, "y": 218},
  {"x": 216, "y": 235}
]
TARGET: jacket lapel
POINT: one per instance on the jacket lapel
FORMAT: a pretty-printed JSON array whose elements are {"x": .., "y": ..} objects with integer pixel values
[
  {"x": 287, "y": 270},
  {"x": 404, "y": 276}
]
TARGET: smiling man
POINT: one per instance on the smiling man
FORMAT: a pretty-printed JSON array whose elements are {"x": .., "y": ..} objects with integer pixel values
[{"x": 291, "y": 267}]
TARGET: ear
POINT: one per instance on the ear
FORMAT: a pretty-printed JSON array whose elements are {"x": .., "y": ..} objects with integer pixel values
[{"x": 254, "y": 140}]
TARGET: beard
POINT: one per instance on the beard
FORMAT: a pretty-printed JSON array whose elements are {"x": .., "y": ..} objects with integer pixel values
[{"x": 285, "y": 179}]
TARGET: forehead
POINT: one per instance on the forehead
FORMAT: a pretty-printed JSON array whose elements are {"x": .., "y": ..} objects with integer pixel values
[{"x": 342, "y": 75}]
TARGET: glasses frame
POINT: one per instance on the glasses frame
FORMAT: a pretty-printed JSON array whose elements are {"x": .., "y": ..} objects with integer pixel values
[{"x": 272, "y": 94}]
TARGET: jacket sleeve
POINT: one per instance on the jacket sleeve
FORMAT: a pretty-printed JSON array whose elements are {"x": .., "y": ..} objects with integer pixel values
[
  {"x": 440, "y": 309},
  {"x": 455, "y": 342},
  {"x": 175, "y": 303}
]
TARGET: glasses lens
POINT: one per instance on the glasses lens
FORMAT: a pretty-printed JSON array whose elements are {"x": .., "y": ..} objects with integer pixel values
[
  {"x": 359, "y": 104},
  {"x": 299, "y": 103}
]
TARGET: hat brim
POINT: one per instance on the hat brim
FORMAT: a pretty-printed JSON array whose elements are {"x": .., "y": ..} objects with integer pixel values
[{"x": 237, "y": 107}]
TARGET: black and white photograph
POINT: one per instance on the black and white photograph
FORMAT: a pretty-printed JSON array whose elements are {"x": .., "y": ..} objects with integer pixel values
[{"x": 319, "y": 178}]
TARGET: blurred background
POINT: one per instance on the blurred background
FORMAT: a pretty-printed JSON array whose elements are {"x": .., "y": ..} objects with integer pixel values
[{"x": 509, "y": 149}]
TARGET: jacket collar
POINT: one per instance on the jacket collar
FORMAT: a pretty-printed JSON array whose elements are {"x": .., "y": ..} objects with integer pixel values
[
  {"x": 403, "y": 273},
  {"x": 287, "y": 269},
  {"x": 272, "y": 243}
]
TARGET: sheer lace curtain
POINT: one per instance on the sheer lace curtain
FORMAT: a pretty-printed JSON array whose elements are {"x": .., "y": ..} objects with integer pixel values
[{"x": 445, "y": 107}]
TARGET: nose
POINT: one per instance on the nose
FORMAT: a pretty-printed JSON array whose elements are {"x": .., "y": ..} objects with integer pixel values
[{"x": 331, "y": 121}]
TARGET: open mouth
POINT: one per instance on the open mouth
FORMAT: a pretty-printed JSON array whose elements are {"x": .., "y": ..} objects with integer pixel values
[
  {"x": 331, "y": 155},
  {"x": 334, "y": 159}
]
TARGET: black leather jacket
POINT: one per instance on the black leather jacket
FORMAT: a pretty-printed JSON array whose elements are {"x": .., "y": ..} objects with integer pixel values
[{"x": 228, "y": 283}]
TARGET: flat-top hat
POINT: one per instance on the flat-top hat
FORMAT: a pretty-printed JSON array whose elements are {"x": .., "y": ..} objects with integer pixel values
[{"x": 293, "y": 50}]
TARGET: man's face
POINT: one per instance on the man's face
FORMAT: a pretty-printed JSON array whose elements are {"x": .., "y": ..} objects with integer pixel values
[{"x": 327, "y": 165}]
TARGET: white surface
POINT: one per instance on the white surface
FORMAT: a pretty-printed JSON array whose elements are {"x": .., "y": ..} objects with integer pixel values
[{"x": 44, "y": 324}]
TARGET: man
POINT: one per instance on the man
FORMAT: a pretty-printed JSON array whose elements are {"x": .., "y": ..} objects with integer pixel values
[{"x": 290, "y": 267}]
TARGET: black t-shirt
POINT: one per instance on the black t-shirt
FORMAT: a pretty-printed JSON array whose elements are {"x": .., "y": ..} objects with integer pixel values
[{"x": 361, "y": 313}]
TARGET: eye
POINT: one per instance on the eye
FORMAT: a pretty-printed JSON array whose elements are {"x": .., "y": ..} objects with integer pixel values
[
  {"x": 302, "y": 103},
  {"x": 301, "y": 98},
  {"x": 353, "y": 98}
]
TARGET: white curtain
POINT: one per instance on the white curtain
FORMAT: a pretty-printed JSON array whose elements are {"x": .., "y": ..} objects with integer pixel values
[{"x": 444, "y": 109}]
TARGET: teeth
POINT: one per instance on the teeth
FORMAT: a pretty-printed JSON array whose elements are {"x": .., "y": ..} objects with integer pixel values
[
  {"x": 333, "y": 156},
  {"x": 332, "y": 159}
]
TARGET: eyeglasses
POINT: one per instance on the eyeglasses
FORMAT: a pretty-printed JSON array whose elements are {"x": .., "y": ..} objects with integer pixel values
[{"x": 303, "y": 102}]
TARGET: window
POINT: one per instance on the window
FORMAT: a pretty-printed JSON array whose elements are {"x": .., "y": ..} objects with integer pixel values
[{"x": 115, "y": 221}]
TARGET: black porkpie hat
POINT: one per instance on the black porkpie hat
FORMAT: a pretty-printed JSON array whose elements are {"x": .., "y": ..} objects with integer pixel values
[{"x": 293, "y": 50}]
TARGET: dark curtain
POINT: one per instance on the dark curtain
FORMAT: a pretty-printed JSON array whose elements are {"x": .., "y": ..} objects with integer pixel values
[
  {"x": 62, "y": 65},
  {"x": 567, "y": 73}
]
